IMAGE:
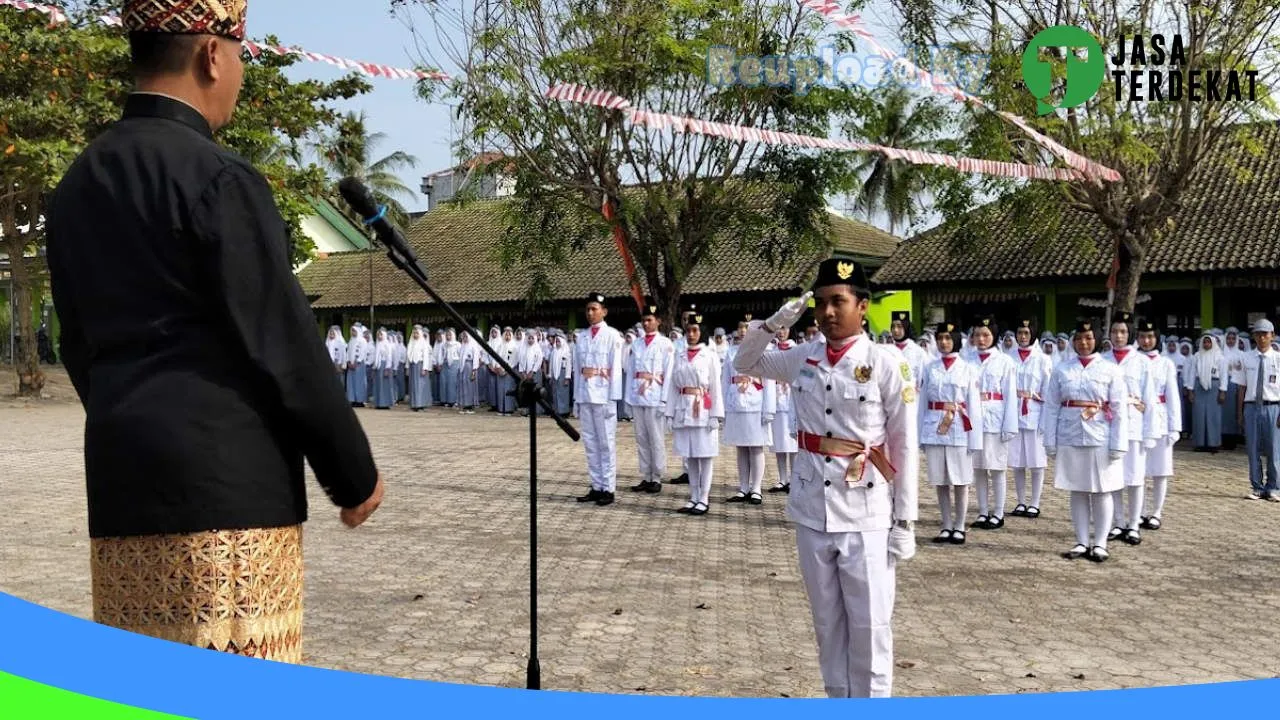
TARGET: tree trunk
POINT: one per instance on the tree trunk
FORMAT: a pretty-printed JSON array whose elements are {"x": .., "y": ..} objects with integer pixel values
[
  {"x": 1129, "y": 273},
  {"x": 26, "y": 358}
]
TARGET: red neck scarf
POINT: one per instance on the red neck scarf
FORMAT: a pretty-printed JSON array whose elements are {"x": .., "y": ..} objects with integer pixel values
[
  {"x": 1121, "y": 354},
  {"x": 648, "y": 338},
  {"x": 1024, "y": 353},
  {"x": 833, "y": 356},
  {"x": 948, "y": 361},
  {"x": 984, "y": 355},
  {"x": 693, "y": 352},
  {"x": 1084, "y": 361}
]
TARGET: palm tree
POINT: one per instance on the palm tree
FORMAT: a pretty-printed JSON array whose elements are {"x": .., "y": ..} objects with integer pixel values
[
  {"x": 896, "y": 187},
  {"x": 347, "y": 152}
]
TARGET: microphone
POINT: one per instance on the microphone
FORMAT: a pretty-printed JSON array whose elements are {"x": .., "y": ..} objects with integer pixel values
[{"x": 375, "y": 216}]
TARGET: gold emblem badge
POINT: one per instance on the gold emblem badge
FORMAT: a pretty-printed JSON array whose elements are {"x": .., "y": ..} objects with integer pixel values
[
  {"x": 862, "y": 373},
  {"x": 908, "y": 394},
  {"x": 844, "y": 270},
  {"x": 906, "y": 372}
]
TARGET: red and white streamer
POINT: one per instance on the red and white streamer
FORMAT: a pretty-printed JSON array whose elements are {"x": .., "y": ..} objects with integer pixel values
[
  {"x": 740, "y": 133},
  {"x": 1090, "y": 169},
  {"x": 57, "y": 17}
]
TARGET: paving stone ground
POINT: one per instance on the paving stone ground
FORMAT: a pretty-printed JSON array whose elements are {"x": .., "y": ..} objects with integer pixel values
[{"x": 637, "y": 599}]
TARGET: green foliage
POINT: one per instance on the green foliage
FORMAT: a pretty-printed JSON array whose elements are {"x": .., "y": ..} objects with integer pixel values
[{"x": 347, "y": 152}]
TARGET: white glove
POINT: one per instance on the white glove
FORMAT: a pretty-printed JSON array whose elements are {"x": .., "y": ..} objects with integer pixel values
[
  {"x": 1148, "y": 443},
  {"x": 789, "y": 313},
  {"x": 1171, "y": 439},
  {"x": 1051, "y": 450},
  {"x": 902, "y": 543},
  {"x": 1116, "y": 455},
  {"x": 768, "y": 419},
  {"x": 1007, "y": 437}
]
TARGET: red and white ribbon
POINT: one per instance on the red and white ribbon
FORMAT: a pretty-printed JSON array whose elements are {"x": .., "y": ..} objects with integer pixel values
[
  {"x": 740, "y": 133},
  {"x": 1090, "y": 169},
  {"x": 57, "y": 17}
]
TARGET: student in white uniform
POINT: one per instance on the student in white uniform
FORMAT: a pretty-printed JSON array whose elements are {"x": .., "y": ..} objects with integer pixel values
[
  {"x": 419, "y": 371},
  {"x": 597, "y": 372},
  {"x": 1140, "y": 403},
  {"x": 854, "y": 488},
  {"x": 651, "y": 359},
  {"x": 337, "y": 347},
  {"x": 1258, "y": 410},
  {"x": 720, "y": 345},
  {"x": 357, "y": 372},
  {"x": 507, "y": 402},
  {"x": 695, "y": 410},
  {"x": 900, "y": 329},
  {"x": 1026, "y": 452},
  {"x": 784, "y": 443},
  {"x": 1167, "y": 423},
  {"x": 949, "y": 390},
  {"x": 530, "y": 364},
  {"x": 1087, "y": 432},
  {"x": 750, "y": 404},
  {"x": 560, "y": 372},
  {"x": 1206, "y": 379},
  {"x": 998, "y": 391}
]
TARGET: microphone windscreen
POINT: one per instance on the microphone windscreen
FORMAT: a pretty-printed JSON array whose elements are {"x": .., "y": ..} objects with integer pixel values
[{"x": 358, "y": 197}]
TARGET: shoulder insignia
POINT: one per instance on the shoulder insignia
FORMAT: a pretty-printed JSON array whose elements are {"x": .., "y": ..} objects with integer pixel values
[
  {"x": 862, "y": 373},
  {"x": 909, "y": 394},
  {"x": 906, "y": 372}
]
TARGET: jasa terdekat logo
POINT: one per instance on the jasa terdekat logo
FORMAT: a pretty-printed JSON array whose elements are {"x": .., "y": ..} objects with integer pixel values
[{"x": 1143, "y": 69}]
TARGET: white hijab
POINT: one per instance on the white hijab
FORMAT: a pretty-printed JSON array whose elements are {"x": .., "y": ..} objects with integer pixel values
[{"x": 1207, "y": 360}]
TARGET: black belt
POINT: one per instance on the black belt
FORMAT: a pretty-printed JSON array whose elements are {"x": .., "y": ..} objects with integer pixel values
[{"x": 1264, "y": 402}]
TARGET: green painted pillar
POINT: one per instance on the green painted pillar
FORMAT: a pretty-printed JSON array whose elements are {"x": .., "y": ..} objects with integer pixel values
[
  {"x": 1051, "y": 311},
  {"x": 571, "y": 322},
  {"x": 917, "y": 312},
  {"x": 1206, "y": 304}
]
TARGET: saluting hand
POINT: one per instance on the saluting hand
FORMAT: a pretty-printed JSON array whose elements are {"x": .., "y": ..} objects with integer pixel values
[
  {"x": 355, "y": 517},
  {"x": 789, "y": 313}
]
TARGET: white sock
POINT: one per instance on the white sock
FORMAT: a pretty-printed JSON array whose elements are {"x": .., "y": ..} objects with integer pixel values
[
  {"x": 1117, "y": 508},
  {"x": 980, "y": 481},
  {"x": 744, "y": 470},
  {"x": 1037, "y": 486},
  {"x": 784, "y": 468},
  {"x": 1159, "y": 491},
  {"x": 944, "y": 506},
  {"x": 1103, "y": 510},
  {"x": 1135, "y": 498},
  {"x": 960, "y": 507},
  {"x": 756, "y": 478},
  {"x": 1080, "y": 516},
  {"x": 1001, "y": 481},
  {"x": 1020, "y": 484},
  {"x": 705, "y": 473}
]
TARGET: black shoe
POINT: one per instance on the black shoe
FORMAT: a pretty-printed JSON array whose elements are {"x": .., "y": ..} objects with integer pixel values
[
  {"x": 685, "y": 510},
  {"x": 699, "y": 509},
  {"x": 1115, "y": 534},
  {"x": 654, "y": 488},
  {"x": 642, "y": 487},
  {"x": 740, "y": 497},
  {"x": 982, "y": 523},
  {"x": 1098, "y": 554},
  {"x": 1019, "y": 511},
  {"x": 592, "y": 496},
  {"x": 755, "y": 499},
  {"x": 606, "y": 498},
  {"x": 944, "y": 536},
  {"x": 1132, "y": 537},
  {"x": 957, "y": 537},
  {"x": 682, "y": 480},
  {"x": 995, "y": 523},
  {"x": 1032, "y": 512},
  {"x": 1077, "y": 552},
  {"x": 777, "y": 489}
]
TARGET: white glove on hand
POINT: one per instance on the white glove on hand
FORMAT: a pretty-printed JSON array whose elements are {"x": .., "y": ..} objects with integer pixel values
[
  {"x": 788, "y": 314},
  {"x": 902, "y": 543},
  {"x": 1171, "y": 439},
  {"x": 1007, "y": 437},
  {"x": 1148, "y": 443},
  {"x": 1116, "y": 455},
  {"x": 768, "y": 419}
]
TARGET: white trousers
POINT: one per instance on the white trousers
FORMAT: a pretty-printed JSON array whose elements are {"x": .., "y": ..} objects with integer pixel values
[
  {"x": 600, "y": 439},
  {"x": 650, "y": 444},
  {"x": 850, "y": 581}
]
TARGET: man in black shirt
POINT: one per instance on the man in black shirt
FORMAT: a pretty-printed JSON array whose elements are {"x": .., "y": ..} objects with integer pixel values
[{"x": 196, "y": 357}]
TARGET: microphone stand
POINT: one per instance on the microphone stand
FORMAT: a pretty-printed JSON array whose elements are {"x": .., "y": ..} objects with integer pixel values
[{"x": 529, "y": 396}]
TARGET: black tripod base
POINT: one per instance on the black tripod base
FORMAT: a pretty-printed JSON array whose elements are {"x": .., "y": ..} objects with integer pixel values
[{"x": 533, "y": 675}]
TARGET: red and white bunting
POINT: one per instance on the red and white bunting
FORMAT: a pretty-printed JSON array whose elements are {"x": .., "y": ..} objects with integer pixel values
[
  {"x": 1090, "y": 169},
  {"x": 739, "y": 133},
  {"x": 57, "y": 17}
]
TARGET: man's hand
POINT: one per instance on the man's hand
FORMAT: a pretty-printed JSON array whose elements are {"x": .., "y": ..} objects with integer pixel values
[
  {"x": 1148, "y": 443},
  {"x": 789, "y": 313},
  {"x": 355, "y": 517},
  {"x": 902, "y": 542}
]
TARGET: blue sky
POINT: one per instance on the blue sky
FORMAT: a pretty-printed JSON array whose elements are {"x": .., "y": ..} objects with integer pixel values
[{"x": 334, "y": 27}]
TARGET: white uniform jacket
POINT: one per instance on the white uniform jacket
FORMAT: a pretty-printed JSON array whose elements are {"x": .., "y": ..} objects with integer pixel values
[
  {"x": 1167, "y": 419},
  {"x": 953, "y": 390},
  {"x": 693, "y": 391},
  {"x": 916, "y": 357},
  {"x": 597, "y": 366},
  {"x": 647, "y": 371},
  {"x": 1083, "y": 406},
  {"x": 1141, "y": 394},
  {"x": 1033, "y": 376},
  {"x": 744, "y": 393},
  {"x": 998, "y": 385},
  {"x": 869, "y": 397}
]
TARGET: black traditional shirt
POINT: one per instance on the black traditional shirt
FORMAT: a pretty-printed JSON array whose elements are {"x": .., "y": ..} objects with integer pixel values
[{"x": 188, "y": 338}]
